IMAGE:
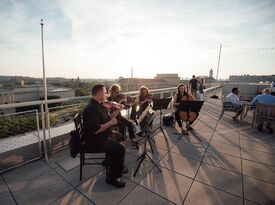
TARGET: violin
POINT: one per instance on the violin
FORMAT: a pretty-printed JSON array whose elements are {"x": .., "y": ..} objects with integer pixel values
[
  {"x": 111, "y": 104},
  {"x": 192, "y": 115},
  {"x": 126, "y": 100}
]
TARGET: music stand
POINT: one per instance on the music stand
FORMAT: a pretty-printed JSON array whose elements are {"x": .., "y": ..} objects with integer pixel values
[
  {"x": 146, "y": 139},
  {"x": 142, "y": 124},
  {"x": 160, "y": 104},
  {"x": 189, "y": 106}
]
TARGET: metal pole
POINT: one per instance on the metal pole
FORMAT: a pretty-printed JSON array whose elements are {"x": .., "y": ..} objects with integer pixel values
[
  {"x": 38, "y": 130},
  {"x": 218, "y": 68},
  {"x": 44, "y": 131},
  {"x": 45, "y": 83}
]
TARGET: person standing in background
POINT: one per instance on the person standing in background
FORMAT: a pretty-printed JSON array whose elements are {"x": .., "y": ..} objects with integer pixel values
[
  {"x": 272, "y": 87},
  {"x": 194, "y": 86},
  {"x": 201, "y": 90}
]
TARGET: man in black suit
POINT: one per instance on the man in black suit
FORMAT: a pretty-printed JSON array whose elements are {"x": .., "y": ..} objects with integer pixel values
[{"x": 97, "y": 125}]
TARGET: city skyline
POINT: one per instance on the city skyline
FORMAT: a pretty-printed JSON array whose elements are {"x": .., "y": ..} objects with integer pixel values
[{"x": 105, "y": 39}]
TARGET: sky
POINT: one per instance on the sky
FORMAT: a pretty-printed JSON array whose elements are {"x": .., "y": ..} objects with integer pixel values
[{"x": 106, "y": 38}]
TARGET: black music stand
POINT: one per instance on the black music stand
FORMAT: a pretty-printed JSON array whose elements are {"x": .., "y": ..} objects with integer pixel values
[
  {"x": 146, "y": 139},
  {"x": 189, "y": 106},
  {"x": 160, "y": 104},
  {"x": 143, "y": 126}
]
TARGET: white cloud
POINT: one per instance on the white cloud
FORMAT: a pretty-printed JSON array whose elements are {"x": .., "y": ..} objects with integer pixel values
[{"x": 102, "y": 38}]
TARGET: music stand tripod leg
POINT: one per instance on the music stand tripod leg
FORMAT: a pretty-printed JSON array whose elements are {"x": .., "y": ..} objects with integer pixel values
[
  {"x": 160, "y": 127},
  {"x": 141, "y": 158}
]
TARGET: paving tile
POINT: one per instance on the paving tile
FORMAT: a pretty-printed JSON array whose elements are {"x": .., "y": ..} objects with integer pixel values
[
  {"x": 6, "y": 199},
  {"x": 99, "y": 192},
  {"x": 192, "y": 150},
  {"x": 180, "y": 164},
  {"x": 143, "y": 196},
  {"x": 207, "y": 195},
  {"x": 3, "y": 186},
  {"x": 224, "y": 161},
  {"x": 73, "y": 198},
  {"x": 225, "y": 127},
  {"x": 131, "y": 162},
  {"x": 205, "y": 126},
  {"x": 246, "y": 202},
  {"x": 259, "y": 191},
  {"x": 72, "y": 176},
  {"x": 41, "y": 190},
  {"x": 168, "y": 184},
  {"x": 258, "y": 156},
  {"x": 58, "y": 156},
  {"x": 160, "y": 142},
  {"x": 260, "y": 171},
  {"x": 195, "y": 134},
  {"x": 258, "y": 145},
  {"x": 220, "y": 178},
  {"x": 231, "y": 138},
  {"x": 26, "y": 173},
  {"x": 224, "y": 148},
  {"x": 69, "y": 163}
]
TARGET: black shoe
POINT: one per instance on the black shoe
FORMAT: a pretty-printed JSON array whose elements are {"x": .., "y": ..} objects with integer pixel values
[
  {"x": 116, "y": 183},
  {"x": 135, "y": 145},
  {"x": 104, "y": 163},
  {"x": 269, "y": 129},
  {"x": 124, "y": 170},
  {"x": 190, "y": 128},
  {"x": 260, "y": 127}
]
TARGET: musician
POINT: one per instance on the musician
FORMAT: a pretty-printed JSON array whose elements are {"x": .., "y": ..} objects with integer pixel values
[
  {"x": 97, "y": 125},
  {"x": 143, "y": 101},
  {"x": 116, "y": 96},
  {"x": 181, "y": 95}
]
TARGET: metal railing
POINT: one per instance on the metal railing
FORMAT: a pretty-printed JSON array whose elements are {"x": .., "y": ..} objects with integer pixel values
[{"x": 59, "y": 120}]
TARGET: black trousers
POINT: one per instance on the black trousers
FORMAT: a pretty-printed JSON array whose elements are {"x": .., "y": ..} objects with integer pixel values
[
  {"x": 178, "y": 119},
  {"x": 123, "y": 123},
  {"x": 115, "y": 154}
]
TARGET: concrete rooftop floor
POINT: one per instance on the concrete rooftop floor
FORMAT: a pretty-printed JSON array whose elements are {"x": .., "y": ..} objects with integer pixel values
[{"x": 233, "y": 164}]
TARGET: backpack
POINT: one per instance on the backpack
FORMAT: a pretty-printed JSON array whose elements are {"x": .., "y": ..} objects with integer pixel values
[
  {"x": 74, "y": 143},
  {"x": 168, "y": 119}
]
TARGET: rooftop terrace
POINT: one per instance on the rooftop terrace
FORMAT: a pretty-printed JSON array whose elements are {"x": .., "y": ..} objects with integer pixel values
[{"x": 233, "y": 164}]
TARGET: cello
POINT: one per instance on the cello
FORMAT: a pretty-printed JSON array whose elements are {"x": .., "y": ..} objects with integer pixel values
[{"x": 184, "y": 115}]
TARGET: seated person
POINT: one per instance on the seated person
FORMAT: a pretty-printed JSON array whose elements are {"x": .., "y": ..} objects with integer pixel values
[
  {"x": 115, "y": 95},
  {"x": 272, "y": 87},
  {"x": 143, "y": 101},
  {"x": 265, "y": 98},
  {"x": 232, "y": 99},
  {"x": 97, "y": 125},
  {"x": 181, "y": 94}
]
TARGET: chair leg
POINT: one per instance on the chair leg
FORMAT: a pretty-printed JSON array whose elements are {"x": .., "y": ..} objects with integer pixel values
[
  {"x": 253, "y": 120},
  {"x": 81, "y": 164},
  {"x": 221, "y": 114}
]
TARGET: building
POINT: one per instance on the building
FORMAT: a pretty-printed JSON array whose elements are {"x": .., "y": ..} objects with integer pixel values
[
  {"x": 211, "y": 73},
  {"x": 160, "y": 81},
  {"x": 252, "y": 78},
  {"x": 32, "y": 93}
]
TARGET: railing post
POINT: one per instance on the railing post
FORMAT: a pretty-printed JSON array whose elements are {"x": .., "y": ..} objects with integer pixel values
[
  {"x": 171, "y": 94},
  {"x": 48, "y": 125},
  {"x": 44, "y": 131},
  {"x": 38, "y": 131}
]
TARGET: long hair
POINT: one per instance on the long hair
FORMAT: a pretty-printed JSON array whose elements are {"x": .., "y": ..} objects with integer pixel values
[
  {"x": 142, "y": 88},
  {"x": 114, "y": 89},
  {"x": 178, "y": 91}
]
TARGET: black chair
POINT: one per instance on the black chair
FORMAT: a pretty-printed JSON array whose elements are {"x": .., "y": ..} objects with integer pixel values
[{"x": 79, "y": 126}]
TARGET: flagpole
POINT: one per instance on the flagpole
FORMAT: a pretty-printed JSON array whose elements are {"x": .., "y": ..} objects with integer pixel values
[
  {"x": 45, "y": 95},
  {"x": 218, "y": 68}
]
